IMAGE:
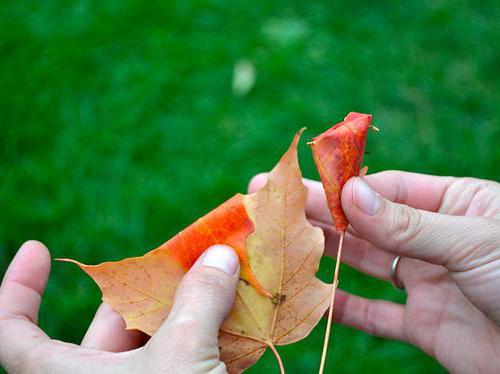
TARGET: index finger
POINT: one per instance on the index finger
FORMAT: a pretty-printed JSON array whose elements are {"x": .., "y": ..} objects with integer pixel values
[
  {"x": 419, "y": 191},
  {"x": 107, "y": 332}
]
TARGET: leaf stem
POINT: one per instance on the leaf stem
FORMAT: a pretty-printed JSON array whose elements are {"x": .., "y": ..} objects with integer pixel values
[
  {"x": 277, "y": 355},
  {"x": 332, "y": 302}
]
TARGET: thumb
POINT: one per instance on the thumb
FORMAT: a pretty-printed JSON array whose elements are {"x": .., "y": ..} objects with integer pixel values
[
  {"x": 457, "y": 242},
  {"x": 204, "y": 297}
]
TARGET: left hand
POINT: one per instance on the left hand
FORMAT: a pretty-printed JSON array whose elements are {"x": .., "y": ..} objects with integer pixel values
[
  {"x": 187, "y": 341},
  {"x": 447, "y": 231}
]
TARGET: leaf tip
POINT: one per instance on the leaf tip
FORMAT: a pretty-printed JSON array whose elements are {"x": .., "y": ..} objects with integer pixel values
[
  {"x": 69, "y": 260},
  {"x": 297, "y": 136}
]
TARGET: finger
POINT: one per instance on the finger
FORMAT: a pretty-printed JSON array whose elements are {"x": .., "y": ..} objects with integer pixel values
[
  {"x": 365, "y": 257},
  {"x": 20, "y": 295},
  {"x": 204, "y": 298},
  {"x": 316, "y": 207},
  {"x": 358, "y": 254},
  {"x": 107, "y": 333},
  {"x": 375, "y": 317},
  {"x": 419, "y": 191},
  {"x": 416, "y": 190},
  {"x": 440, "y": 239}
]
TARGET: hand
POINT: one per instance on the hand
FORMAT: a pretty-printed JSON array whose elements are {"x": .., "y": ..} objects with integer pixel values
[
  {"x": 186, "y": 343},
  {"x": 448, "y": 231}
]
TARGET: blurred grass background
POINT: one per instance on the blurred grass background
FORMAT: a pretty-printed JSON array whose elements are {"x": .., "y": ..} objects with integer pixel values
[{"x": 123, "y": 121}]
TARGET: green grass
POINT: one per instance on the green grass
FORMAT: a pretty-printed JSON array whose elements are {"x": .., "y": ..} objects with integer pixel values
[{"x": 118, "y": 126}]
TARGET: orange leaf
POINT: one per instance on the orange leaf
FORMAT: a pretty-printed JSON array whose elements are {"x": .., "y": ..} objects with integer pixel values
[
  {"x": 282, "y": 253},
  {"x": 141, "y": 288},
  {"x": 338, "y": 154}
]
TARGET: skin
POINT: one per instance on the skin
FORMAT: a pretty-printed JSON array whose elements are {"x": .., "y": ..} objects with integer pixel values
[
  {"x": 446, "y": 229},
  {"x": 448, "y": 232},
  {"x": 186, "y": 343}
]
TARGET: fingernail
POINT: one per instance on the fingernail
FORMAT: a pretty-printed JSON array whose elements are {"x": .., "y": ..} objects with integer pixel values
[
  {"x": 221, "y": 257},
  {"x": 365, "y": 199}
]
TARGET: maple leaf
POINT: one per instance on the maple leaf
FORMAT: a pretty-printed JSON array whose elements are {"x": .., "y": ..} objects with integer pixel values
[
  {"x": 284, "y": 252},
  {"x": 338, "y": 154},
  {"x": 142, "y": 288},
  {"x": 279, "y": 299}
]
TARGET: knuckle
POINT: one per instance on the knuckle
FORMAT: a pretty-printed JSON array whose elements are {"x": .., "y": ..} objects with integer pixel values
[
  {"x": 370, "y": 319},
  {"x": 482, "y": 249},
  {"x": 188, "y": 337},
  {"x": 209, "y": 287},
  {"x": 4, "y": 319},
  {"x": 470, "y": 180},
  {"x": 208, "y": 280},
  {"x": 401, "y": 195},
  {"x": 184, "y": 327},
  {"x": 257, "y": 182},
  {"x": 183, "y": 337},
  {"x": 462, "y": 192},
  {"x": 405, "y": 227}
]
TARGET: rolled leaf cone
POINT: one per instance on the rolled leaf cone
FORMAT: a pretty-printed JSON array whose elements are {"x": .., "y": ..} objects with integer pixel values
[{"x": 338, "y": 154}]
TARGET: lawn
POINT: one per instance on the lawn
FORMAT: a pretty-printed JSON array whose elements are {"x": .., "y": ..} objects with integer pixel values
[{"x": 120, "y": 124}]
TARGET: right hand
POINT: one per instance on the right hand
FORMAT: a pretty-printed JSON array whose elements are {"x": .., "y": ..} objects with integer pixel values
[
  {"x": 187, "y": 342},
  {"x": 448, "y": 231}
]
